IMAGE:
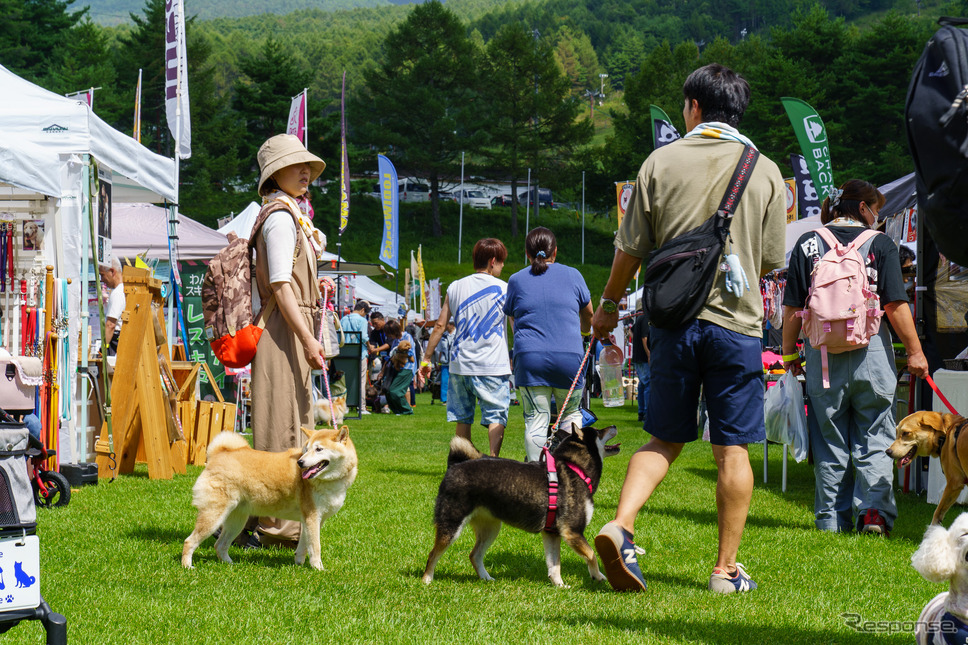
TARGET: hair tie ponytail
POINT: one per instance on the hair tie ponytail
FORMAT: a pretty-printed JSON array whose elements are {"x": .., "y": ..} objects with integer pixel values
[{"x": 540, "y": 254}]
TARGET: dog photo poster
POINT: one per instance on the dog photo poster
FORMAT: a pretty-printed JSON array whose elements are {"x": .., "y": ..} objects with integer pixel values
[
  {"x": 104, "y": 214},
  {"x": 33, "y": 235}
]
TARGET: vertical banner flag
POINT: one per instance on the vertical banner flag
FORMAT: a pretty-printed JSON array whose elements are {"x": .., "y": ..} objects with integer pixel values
[
  {"x": 344, "y": 169},
  {"x": 422, "y": 278},
  {"x": 791, "y": 199},
  {"x": 812, "y": 136},
  {"x": 808, "y": 201},
  {"x": 176, "y": 77},
  {"x": 389, "y": 248},
  {"x": 414, "y": 285},
  {"x": 623, "y": 193},
  {"x": 137, "y": 110},
  {"x": 433, "y": 301},
  {"x": 663, "y": 132},
  {"x": 297, "y": 117}
]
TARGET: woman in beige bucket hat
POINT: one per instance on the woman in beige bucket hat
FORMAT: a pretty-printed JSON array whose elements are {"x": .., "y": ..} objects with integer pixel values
[{"x": 287, "y": 247}]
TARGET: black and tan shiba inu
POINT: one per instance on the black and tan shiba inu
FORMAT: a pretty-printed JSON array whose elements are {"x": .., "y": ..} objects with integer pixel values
[{"x": 486, "y": 491}]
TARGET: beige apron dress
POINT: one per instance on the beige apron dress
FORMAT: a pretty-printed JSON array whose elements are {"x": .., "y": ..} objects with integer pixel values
[{"x": 281, "y": 378}]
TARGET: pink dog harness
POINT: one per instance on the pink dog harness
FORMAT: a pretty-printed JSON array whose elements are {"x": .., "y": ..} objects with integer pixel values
[{"x": 553, "y": 487}]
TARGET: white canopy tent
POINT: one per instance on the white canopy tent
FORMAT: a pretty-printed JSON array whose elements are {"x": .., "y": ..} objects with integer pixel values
[
  {"x": 68, "y": 126},
  {"x": 242, "y": 223},
  {"x": 143, "y": 229},
  {"x": 47, "y": 140},
  {"x": 378, "y": 296}
]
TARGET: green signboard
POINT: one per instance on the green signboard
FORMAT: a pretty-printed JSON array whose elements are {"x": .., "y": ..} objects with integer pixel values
[{"x": 198, "y": 350}]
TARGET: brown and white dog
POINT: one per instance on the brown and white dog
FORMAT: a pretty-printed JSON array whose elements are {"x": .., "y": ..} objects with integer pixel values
[
  {"x": 307, "y": 484},
  {"x": 932, "y": 434},
  {"x": 401, "y": 355}
]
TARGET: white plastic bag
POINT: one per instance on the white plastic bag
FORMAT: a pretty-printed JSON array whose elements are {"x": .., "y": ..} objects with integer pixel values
[
  {"x": 777, "y": 430},
  {"x": 786, "y": 421}
]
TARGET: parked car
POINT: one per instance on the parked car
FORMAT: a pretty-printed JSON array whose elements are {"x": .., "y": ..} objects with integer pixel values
[
  {"x": 413, "y": 191},
  {"x": 473, "y": 198},
  {"x": 544, "y": 197},
  {"x": 502, "y": 200}
]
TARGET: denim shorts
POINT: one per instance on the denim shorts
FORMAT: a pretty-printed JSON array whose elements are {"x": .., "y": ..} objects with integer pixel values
[
  {"x": 493, "y": 393},
  {"x": 726, "y": 365}
]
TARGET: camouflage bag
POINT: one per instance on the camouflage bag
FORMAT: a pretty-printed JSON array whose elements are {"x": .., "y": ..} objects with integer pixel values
[{"x": 231, "y": 329}]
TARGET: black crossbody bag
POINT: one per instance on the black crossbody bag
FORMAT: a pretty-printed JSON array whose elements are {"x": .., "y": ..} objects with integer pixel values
[{"x": 680, "y": 274}]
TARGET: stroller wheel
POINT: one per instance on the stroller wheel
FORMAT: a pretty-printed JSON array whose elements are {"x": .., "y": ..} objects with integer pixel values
[{"x": 58, "y": 490}]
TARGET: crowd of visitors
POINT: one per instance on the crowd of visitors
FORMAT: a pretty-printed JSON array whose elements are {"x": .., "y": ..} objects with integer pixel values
[{"x": 527, "y": 338}]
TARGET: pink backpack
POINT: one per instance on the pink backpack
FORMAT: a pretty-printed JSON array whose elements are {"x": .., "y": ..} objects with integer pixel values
[{"x": 841, "y": 312}]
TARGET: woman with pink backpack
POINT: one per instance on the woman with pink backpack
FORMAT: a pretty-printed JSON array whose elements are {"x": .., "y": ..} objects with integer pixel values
[{"x": 841, "y": 280}]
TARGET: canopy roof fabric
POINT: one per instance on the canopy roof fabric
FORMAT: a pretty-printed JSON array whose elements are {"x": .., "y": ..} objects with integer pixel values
[
  {"x": 137, "y": 228},
  {"x": 900, "y": 194},
  {"x": 26, "y": 165},
  {"x": 68, "y": 126},
  {"x": 372, "y": 292}
]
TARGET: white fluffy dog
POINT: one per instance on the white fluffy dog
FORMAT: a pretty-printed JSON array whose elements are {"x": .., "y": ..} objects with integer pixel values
[
  {"x": 322, "y": 410},
  {"x": 943, "y": 557}
]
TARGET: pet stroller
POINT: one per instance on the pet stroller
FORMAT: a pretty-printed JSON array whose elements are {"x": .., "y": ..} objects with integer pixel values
[{"x": 20, "y": 597}]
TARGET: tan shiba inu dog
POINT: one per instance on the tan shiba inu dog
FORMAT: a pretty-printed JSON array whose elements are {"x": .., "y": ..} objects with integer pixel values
[{"x": 308, "y": 485}]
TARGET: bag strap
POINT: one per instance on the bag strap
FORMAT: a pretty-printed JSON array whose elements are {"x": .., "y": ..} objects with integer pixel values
[
  {"x": 270, "y": 208},
  {"x": 828, "y": 238},
  {"x": 865, "y": 238},
  {"x": 864, "y": 241},
  {"x": 267, "y": 210},
  {"x": 265, "y": 312},
  {"x": 741, "y": 177},
  {"x": 952, "y": 21}
]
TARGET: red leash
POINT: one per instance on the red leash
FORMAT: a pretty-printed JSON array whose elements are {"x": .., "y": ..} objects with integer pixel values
[{"x": 941, "y": 396}]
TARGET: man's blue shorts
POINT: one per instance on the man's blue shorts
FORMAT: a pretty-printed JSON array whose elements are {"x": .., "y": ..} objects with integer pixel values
[
  {"x": 493, "y": 393},
  {"x": 727, "y": 366}
]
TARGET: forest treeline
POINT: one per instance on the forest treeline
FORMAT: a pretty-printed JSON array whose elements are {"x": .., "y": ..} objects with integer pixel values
[{"x": 506, "y": 83}]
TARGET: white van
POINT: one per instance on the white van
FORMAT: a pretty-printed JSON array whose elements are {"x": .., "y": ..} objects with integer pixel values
[
  {"x": 473, "y": 198},
  {"x": 412, "y": 191}
]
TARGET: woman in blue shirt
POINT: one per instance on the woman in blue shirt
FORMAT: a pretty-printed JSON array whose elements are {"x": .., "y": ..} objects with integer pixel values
[{"x": 550, "y": 307}]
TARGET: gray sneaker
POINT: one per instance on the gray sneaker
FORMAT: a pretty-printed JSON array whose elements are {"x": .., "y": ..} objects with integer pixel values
[{"x": 722, "y": 582}]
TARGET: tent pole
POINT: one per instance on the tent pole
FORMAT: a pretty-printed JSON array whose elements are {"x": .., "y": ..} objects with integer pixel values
[{"x": 81, "y": 455}]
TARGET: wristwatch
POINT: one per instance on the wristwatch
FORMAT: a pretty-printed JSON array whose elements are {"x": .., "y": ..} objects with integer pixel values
[{"x": 609, "y": 306}]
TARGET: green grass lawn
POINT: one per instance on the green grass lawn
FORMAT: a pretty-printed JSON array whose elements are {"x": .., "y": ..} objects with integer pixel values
[{"x": 110, "y": 562}]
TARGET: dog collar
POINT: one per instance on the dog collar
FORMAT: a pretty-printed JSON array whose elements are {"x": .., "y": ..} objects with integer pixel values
[{"x": 553, "y": 487}]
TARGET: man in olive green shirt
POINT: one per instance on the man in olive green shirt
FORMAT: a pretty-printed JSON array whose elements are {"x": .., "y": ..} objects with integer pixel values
[{"x": 678, "y": 188}]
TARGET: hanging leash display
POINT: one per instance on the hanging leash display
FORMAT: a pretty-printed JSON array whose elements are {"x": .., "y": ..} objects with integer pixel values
[
  {"x": 3, "y": 257},
  {"x": 11, "y": 231},
  {"x": 64, "y": 348}
]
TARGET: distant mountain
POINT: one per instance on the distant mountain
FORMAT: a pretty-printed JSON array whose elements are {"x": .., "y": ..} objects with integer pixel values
[{"x": 113, "y": 12}]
